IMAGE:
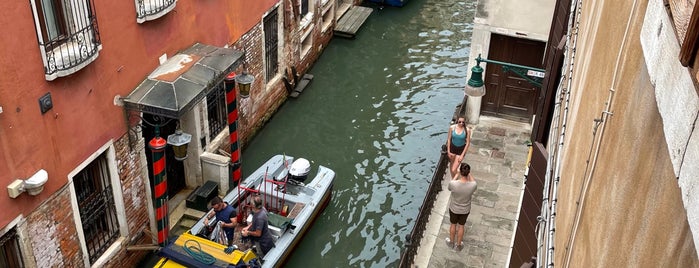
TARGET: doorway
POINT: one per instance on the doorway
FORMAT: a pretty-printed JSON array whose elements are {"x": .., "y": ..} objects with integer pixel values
[
  {"x": 174, "y": 169},
  {"x": 509, "y": 95}
]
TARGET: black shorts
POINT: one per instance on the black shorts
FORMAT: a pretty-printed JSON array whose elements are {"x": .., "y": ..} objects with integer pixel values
[
  {"x": 456, "y": 150},
  {"x": 458, "y": 218}
]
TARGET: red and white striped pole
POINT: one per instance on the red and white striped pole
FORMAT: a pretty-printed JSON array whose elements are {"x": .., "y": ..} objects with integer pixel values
[
  {"x": 157, "y": 146},
  {"x": 232, "y": 106}
]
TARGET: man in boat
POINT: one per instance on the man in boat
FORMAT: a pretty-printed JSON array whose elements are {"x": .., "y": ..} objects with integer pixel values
[
  {"x": 226, "y": 215},
  {"x": 259, "y": 231}
]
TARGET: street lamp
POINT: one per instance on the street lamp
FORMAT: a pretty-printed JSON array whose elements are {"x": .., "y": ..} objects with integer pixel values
[{"x": 475, "y": 86}]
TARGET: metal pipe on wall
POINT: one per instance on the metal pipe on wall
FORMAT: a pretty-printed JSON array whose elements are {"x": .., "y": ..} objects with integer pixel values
[{"x": 604, "y": 116}]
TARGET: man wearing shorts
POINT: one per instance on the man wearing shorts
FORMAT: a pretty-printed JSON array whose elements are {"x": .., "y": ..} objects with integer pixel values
[{"x": 462, "y": 187}]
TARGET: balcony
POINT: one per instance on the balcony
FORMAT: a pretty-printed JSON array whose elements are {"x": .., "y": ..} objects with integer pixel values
[
  {"x": 68, "y": 36},
  {"x": 152, "y": 9}
]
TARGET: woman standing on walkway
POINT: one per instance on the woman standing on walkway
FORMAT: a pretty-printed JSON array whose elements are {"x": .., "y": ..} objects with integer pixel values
[
  {"x": 458, "y": 140},
  {"x": 462, "y": 187}
]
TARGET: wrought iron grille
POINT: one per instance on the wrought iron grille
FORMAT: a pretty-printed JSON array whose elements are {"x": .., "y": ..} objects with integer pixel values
[
  {"x": 10, "y": 255},
  {"x": 216, "y": 107},
  {"x": 271, "y": 43},
  {"x": 67, "y": 33},
  {"x": 97, "y": 210},
  {"x": 145, "y": 8}
]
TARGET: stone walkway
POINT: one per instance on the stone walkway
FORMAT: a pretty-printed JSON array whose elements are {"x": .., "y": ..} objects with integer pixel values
[{"x": 497, "y": 155}]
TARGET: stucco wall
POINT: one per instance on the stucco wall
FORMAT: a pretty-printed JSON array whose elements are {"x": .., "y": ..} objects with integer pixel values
[
  {"x": 619, "y": 202},
  {"x": 527, "y": 19}
]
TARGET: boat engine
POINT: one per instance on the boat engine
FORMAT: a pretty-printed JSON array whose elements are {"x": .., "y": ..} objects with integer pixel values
[{"x": 299, "y": 170}]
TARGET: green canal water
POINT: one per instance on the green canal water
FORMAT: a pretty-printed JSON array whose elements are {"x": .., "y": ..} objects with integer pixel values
[{"x": 377, "y": 113}]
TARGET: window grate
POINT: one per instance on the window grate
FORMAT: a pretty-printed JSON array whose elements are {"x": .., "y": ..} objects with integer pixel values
[
  {"x": 10, "y": 254},
  {"x": 271, "y": 43},
  {"x": 68, "y": 33},
  {"x": 97, "y": 209},
  {"x": 216, "y": 107}
]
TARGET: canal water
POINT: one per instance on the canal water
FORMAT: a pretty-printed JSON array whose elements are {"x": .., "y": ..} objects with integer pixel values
[{"x": 376, "y": 112}]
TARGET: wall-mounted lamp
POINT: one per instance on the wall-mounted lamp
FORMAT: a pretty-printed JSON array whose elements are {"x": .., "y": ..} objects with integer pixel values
[
  {"x": 179, "y": 142},
  {"x": 244, "y": 81},
  {"x": 33, "y": 185},
  {"x": 476, "y": 88}
]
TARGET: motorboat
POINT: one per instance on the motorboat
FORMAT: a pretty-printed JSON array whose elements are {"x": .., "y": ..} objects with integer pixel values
[{"x": 292, "y": 206}]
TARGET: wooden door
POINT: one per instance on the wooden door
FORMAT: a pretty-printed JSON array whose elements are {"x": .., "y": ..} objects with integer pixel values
[
  {"x": 507, "y": 94},
  {"x": 524, "y": 246}
]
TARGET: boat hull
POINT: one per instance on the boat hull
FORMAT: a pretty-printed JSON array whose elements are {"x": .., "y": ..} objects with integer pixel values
[{"x": 294, "y": 208}]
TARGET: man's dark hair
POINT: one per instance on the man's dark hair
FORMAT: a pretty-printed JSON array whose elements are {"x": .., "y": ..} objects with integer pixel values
[
  {"x": 216, "y": 200},
  {"x": 465, "y": 169},
  {"x": 257, "y": 201}
]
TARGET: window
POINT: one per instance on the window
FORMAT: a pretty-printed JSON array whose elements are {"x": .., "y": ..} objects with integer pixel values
[
  {"x": 328, "y": 16},
  {"x": 271, "y": 42},
  {"x": 94, "y": 194},
  {"x": 304, "y": 8},
  {"x": 67, "y": 35},
  {"x": 216, "y": 107},
  {"x": 152, "y": 9},
  {"x": 10, "y": 255}
]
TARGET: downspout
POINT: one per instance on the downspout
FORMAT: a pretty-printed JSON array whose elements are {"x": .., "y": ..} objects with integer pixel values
[{"x": 601, "y": 122}]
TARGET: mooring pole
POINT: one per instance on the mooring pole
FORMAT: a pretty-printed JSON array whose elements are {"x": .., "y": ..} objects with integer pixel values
[
  {"x": 234, "y": 166},
  {"x": 157, "y": 146}
]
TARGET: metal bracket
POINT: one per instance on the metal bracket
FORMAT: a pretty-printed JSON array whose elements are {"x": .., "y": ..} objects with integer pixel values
[{"x": 519, "y": 70}]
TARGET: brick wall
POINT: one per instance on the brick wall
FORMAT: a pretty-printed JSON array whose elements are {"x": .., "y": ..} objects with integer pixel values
[
  {"x": 135, "y": 201},
  {"x": 264, "y": 99},
  {"x": 52, "y": 234},
  {"x": 51, "y": 227}
]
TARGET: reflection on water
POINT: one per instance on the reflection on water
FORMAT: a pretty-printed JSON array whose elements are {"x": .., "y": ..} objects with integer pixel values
[{"x": 376, "y": 113}]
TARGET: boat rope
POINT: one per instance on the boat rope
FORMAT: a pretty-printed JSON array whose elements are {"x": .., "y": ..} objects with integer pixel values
[{"x": 196, "y": 253}]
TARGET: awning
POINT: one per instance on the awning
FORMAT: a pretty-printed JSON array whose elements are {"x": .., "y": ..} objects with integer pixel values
[{"x": 174, "y": 87}]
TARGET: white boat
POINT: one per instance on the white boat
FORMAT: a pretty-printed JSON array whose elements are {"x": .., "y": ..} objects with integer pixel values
[{"x": 292, "y": 207}]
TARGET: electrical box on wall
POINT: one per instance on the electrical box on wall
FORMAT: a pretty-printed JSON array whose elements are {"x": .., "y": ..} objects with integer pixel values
[{"x": 15, "y": 188}]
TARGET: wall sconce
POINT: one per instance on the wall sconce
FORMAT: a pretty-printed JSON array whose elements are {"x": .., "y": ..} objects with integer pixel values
[
  {"x": 33, "y": 185},
  {"x": 244, "y": 81},
  {"x": 179, "y": 142}
]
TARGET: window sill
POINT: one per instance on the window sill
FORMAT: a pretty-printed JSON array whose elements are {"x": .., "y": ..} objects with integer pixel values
[
  {"x": 148, "y": 12},
  {"x": 305, "y": 21},
  {"x": 109, "y": 253},
  {"x": 66, "y": 55}
]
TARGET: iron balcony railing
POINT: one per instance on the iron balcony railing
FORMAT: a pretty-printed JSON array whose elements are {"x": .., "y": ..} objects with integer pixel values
[
  {"x": 77, "y": 41},
  {"x": 152, "y": 9}
]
